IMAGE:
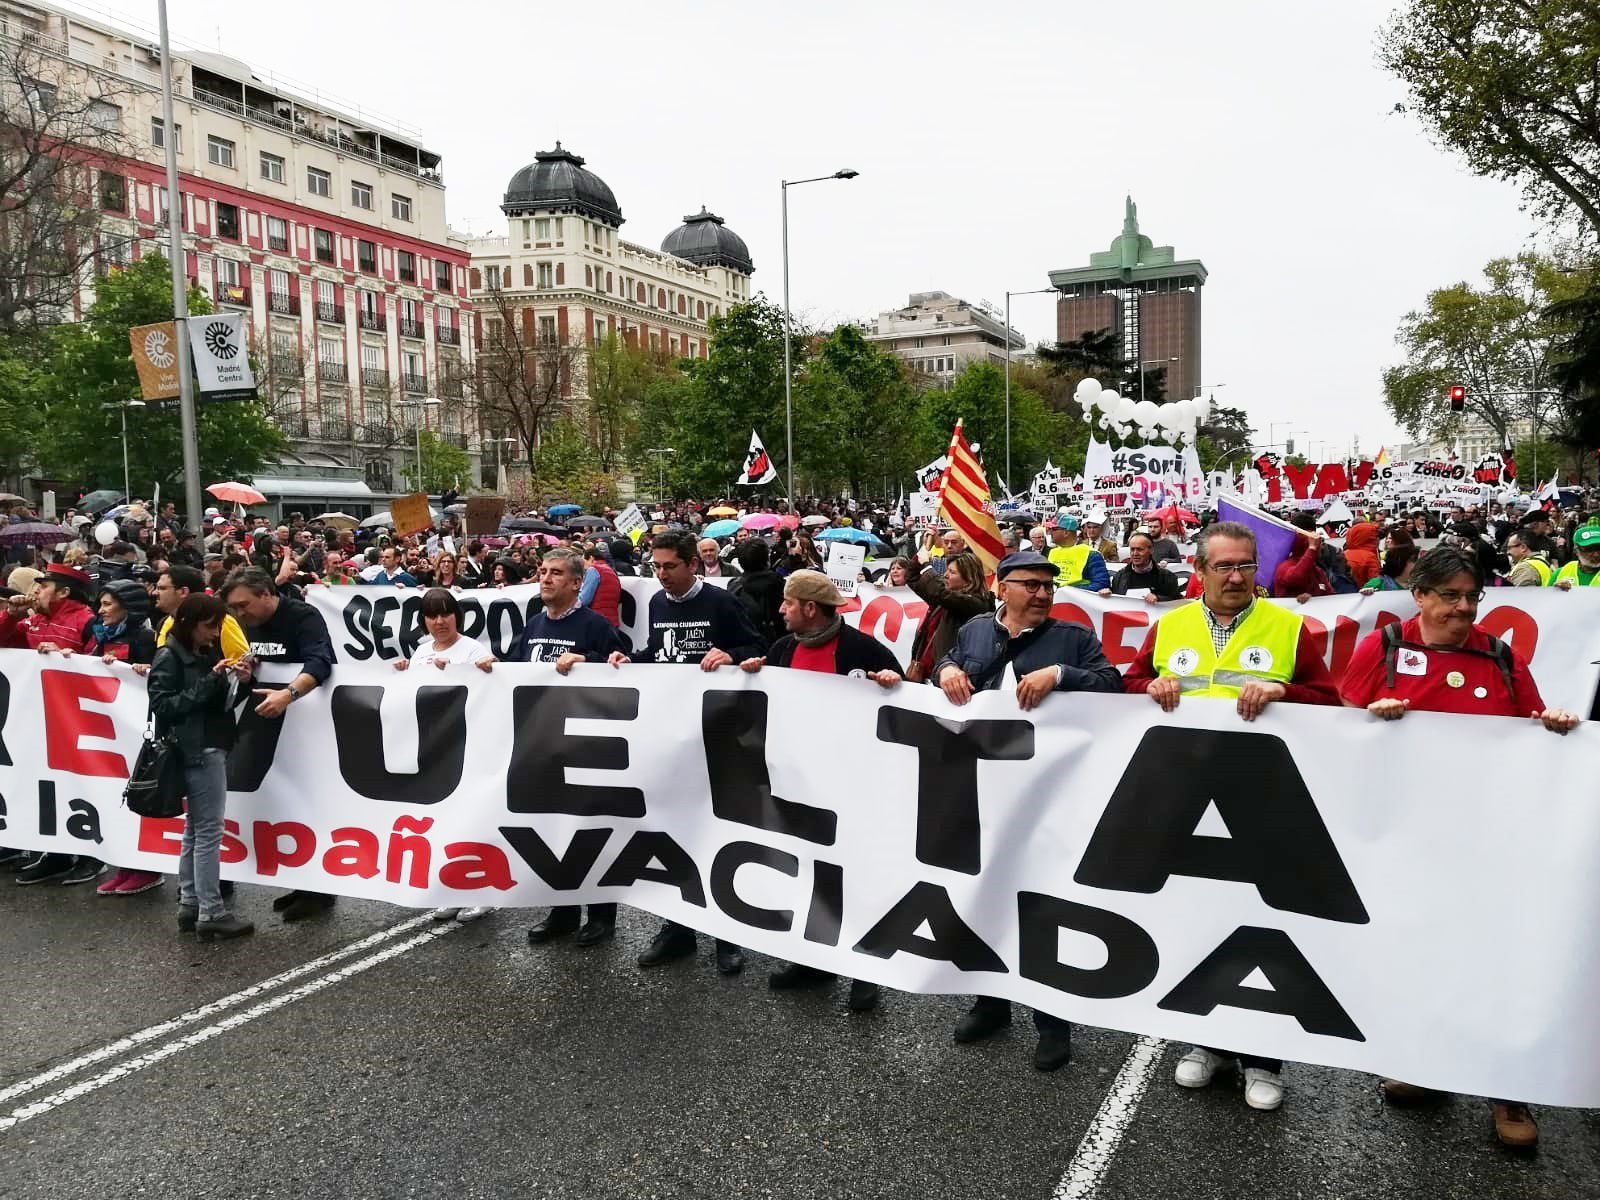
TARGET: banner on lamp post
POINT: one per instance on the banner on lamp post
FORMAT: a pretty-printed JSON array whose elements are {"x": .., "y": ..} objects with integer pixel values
[{"x": 221, "y": 363}]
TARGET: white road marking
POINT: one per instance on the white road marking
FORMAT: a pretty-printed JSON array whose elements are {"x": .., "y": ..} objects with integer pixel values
[
  {"x": 1105, "y": 1133},
  {"x": 128, "y": 1066},
  {"x": 205, "y": 1011}
]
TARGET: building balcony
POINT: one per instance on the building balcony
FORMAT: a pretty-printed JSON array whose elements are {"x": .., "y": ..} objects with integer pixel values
[
  {"x": 283, "y": 302},
  {"x": 295, "y": 427},
  {"x": 236, "y": 295},
  {"x": 449, "y": 335},
  {"x": 377, "y": 433},
  {"x": 333, "y": 313},
  {"x": 332, "y": 372},
  {"x": 278, "y": 245},
  {"x": 415, "y": 385},
  {"x": 377, "y": 322},
  {"x": 374, "y": 377},
  {"x": 456, "y": 438},
  {"x": 287, "y": 366},
  {"x": 410, "y": 329},
  {"x": 450, "y": 389},
  {"x": 335, "y": 429}
]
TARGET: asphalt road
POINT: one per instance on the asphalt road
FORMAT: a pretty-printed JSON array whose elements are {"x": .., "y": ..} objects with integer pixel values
[{"x": 444, "y": 1060}]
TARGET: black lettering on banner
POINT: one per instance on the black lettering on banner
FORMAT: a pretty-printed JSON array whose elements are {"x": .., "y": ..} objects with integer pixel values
[
  {"x": 826, "y": 913},
  {"x": 1279, "y": 842},
  {"x": 1131, "y": 957},
  {"x": 953, "y": 939},
  {"x": 47, "y": 808},
  {"x": 1297, "y": 990},
  {"x": 83, "y": 822},
  {"x": 504, "y": 622},
  {"x": 381, "y": 608},
  {"x": 5, "y": 711},
  {"x": 677, "y": 869},
  {"x": 949, "y": 829},
  {"x": 572, "y": 868},
  {"x": 254, "y": 748},
  {"x": 412, "y": 630},
  {"x": 733, "y": 726},
  {"x": 726, "y": 865},
  {"x": 441, "y": 743},
  {"x": 358, "y": 623},
  {"x": 542, "y": 750}
]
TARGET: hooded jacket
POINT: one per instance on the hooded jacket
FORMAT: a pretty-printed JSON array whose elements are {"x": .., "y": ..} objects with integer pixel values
[{"x": 1361, "y": 552}]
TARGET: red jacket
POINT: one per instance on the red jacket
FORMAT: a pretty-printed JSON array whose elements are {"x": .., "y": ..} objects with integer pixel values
[
  {"x": 66, "y": 625},
  {"x": 1361, "y": 552},
  {"x": 608, "y": 596},
  {"x": 1300, "y": 575}
]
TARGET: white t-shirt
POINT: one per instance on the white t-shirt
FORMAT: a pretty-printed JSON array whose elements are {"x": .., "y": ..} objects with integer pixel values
[{"x": 462, "y": 650}]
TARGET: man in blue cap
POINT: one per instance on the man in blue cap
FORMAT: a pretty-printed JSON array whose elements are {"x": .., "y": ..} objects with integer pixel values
[{"x": 1024, "y": 643}]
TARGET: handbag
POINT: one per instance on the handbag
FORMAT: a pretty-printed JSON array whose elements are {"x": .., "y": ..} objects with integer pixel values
[{"x": 155, "y": 786}]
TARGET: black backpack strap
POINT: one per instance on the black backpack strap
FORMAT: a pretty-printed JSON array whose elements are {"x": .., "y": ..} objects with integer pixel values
[
  {"x": 1501, "y": 653},
  {"x": 1391, "y": 652}
]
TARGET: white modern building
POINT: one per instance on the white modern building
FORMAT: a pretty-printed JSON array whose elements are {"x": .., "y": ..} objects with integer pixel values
[{"x": 938, "y": 335}]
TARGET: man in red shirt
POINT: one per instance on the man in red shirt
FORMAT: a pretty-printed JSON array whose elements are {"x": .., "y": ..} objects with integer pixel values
[
  {"x": 1441, "y": 661},
  {"x": 51, "y": 616}
]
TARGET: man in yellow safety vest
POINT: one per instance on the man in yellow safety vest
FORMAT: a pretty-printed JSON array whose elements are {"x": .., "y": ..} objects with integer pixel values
[{"x": 1583, "y": 571}]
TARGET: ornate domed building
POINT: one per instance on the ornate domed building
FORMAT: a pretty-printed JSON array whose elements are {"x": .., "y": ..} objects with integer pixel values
[{"x": 565, "y": 278}]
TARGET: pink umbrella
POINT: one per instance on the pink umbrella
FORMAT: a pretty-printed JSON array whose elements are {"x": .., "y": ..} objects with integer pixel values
[
  {"x": 236, "y": 493},
  {"x": 761, "y": 521}
]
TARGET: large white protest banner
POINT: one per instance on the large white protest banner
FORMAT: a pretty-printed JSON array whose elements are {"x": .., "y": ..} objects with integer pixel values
[
  {"x": 1183, "y": 875},
  {"x": 1558, "y": 632}
]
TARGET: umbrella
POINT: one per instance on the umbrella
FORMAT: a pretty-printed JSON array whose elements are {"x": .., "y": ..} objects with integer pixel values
[
  {"x": 236, "y": 493},
  {"x": 378, "y": 519},
  {"x": 12, "y": 498},
  {"x": 1172, "y": 510},
  {"x": 337, "y": 519},
  {"x": 562, "y": 510},
  {"x": 588, "y": 522},
  {"x": 721, "y": 529},
  {"x": 455, "y": 510},
  {"x": 97, "y": 502},
  {"x": 761, "y": 521},
  {"x": 814, "y": 520},
  {"x": 722, "y": 510},
  {"x": 34, "y": 533},
  {"x": 859, "y": 537},
  {"x": 529, "y": 525}
]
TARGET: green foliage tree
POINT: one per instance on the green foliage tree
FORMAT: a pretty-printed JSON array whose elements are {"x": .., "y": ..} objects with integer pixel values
[
  {"x": 1225, "y": 435},
  {"x": 854, "y": 409},
  {"x": 618, "y": 378},
  {"x": 977, "y": 396},
  {"x": 568, "y": 467},
  {"x": 444, "y": 465},
  {"x": 19, "y": 407},
  {"x": 85, "y": 373},
  {"x": 1055, "y": 388}
]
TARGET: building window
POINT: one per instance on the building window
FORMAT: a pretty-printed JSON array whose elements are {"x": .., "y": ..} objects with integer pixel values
[
  {"x": 324, "y": 245},
  {"x": 228, "y": 221},
  {"x": 219, "y": 151},
  {"x": 278, "y": 235},
  {"x": 408, "y": 267},
  {"x": 278, "y": 289},
  {"x": 113, "y": 192},
  {"x": 491, "y": 278},
  {"x": 366, "y": 257},
  {"x": 493, "y": 331},
  {"x": 158, "y": 135},
  {"x": 400, "y": 207},
  {"x": 319, "y": 182},
  {"x": 547, "y": 275},
  {"x": 541, "y": 229},
  {"x": 441, "y": 275},
  {"x": 361, "y": 195},
  {"x": 271, "y": 167},
  {"x": 227, "y": 272},
  {"x": 700, "y": 310},
  {"x": 105, "y": 116},
  {"x": 547, "y": 331}
]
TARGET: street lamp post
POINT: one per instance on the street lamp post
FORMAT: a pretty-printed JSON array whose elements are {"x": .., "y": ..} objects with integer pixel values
[
  {"x": 788, "y": 399},
  {"x": 122, "y": 410},
  {"x": 421, "y": 406},
  {"x": 1154, "y": 362},
  {"x": 1032, "y": 292},
  {"x": 498, "y": 442},
  {"x": 661, "y": 471}
]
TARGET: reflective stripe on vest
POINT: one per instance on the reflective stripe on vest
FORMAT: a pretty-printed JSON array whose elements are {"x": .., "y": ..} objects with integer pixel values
[
  {"x": 1071, "y": 560},
  {"x": 1263, "y": 646}
]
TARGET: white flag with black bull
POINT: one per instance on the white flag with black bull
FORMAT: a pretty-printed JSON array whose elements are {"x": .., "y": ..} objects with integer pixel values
[{"x": 758, "y": 468}]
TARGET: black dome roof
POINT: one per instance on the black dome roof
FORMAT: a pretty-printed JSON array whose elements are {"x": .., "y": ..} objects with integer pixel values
[
  {"x": 557, "y": 179},
  {"x": 704, "y": 239}
]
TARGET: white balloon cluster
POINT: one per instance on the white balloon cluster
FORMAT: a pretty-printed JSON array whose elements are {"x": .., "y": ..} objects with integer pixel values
[{"x": 1119, "y": 415}]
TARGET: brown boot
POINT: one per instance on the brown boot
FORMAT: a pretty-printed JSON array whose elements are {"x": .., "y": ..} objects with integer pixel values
[
  {"x": 1396, "y": 1092},
  {"x": 1514, "y": 1126}
]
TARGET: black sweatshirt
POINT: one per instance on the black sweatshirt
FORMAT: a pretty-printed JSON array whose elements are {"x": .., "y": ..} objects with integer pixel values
[
  {"x": 294, "y": 633},
  {"x": 685, "y": 631}
]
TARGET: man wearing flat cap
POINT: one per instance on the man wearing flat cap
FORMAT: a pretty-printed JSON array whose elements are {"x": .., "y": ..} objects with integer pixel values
[
  {"x": 819, "y": 640},
  {"x": 1022, "y": 640}
]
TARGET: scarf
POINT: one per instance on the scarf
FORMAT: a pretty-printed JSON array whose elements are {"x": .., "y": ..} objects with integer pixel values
[
  {"x": 821, "y": 637},
  {"x": 103, "y": 633}
]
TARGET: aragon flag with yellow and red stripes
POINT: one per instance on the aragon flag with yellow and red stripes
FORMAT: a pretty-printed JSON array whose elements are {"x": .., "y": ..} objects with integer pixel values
[{"x": 964, "y": 499}]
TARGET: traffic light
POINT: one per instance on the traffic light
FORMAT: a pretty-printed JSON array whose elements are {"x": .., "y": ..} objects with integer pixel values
[
  {"x": 1288, "y": 447},
  {"x": 1458, "y": 398}
]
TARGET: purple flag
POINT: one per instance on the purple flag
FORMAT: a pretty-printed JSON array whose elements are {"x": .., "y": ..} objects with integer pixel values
[{"x": 1275, "y": 539}]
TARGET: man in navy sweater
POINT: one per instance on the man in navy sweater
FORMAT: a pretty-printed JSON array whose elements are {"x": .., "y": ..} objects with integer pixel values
[
  {"x": 566, "y": 633},
  {"x": 691, "y": 621}
]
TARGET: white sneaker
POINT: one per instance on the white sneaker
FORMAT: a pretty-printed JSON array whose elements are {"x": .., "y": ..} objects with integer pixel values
[
  {"x": 446, "y": 914},
  {"x": 1196, "y": 1068},
  {"x": 472, "y": 914},
  {"x": 1262, "y": 1089}
]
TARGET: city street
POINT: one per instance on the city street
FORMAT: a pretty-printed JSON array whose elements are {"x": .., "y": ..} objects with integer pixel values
[{"x": 376, "y": 1053}]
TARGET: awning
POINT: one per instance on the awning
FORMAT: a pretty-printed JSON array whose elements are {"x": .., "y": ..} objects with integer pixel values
[{"x": 330, "y": 489}]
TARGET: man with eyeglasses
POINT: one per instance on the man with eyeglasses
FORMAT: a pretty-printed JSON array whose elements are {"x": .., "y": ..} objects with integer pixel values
[
  {"x": 1441, "y": 660},
  {"x": 1231, "y": 645},
  {"x": 1024, "y": 647}
]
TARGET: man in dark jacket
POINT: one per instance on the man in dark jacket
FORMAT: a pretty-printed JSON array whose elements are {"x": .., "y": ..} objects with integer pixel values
[
  {"x": 691, "y": 621},
  {"x": 282, "y": 629},
  {"x": 819, "y": 640},
  {"x": 1046, "y": 656}
]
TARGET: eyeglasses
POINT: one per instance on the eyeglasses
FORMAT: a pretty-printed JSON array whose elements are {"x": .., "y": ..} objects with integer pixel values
[
  {"x": 1031, "y": 586},
  {"x": 1453, "y": 597},
  {"x": 1226, "y": 569}
]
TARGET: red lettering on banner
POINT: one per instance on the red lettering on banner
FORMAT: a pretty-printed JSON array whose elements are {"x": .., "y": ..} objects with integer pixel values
[
  {"x": 1512, "y": 625},
  {"x": 1064, "y": 611},
  {"x": 1117, "y": 622},
  {"x": 417, "y": 847},
  {"x": 67, "y": 722},
  {"x": 1386, "y": 618},
  {"x": 476, "y": 865},
  {"x": 1346, "y": 632},
  {"x": 1300, "y": 478},
  {"x": 161, "y": 835},
  {"x": 1319, "y": 636},
  {"x": 1331, "y": 480},
  {"x": 1364, "y": 470},
  {"x": 354, "y": 852},
  {"x": 884, "y": 609},
  {"x": 270, "y": 854},
  {"x": 233, "y": 850}
]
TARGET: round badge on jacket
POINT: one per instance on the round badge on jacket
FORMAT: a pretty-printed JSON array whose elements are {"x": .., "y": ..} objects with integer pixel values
[
  {"x": 1456, "y": 679},
  {"x": 1183, "y": 662},
  {"x": 1256, "y": 658}
]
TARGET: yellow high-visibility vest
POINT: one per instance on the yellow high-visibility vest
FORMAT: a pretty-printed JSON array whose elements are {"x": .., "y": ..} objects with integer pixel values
[{"x": 1263, "y": 646}]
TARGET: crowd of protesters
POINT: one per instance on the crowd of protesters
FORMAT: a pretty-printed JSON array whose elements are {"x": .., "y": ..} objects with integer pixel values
[{"x": 198, "y": 614}]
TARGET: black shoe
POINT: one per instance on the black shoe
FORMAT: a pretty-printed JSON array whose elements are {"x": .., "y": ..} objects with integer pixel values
[
  {"x": 14, "y": 860},
  {"x": 730, "y": 959},
  {"x": 282, "y": 902},
  {"x": 48, "y": 867},
  {"x": 795, "y": 976},
  {"x": 672, "y": 943},
  {"x": 84, "y": 870},
  {"x": 561, "y": 921},
  {"x": 863, "y": 995},
  {"x": 188, "y": 914},
  {"x": 303, "y": 905},
  {"x": 225, "y": 886},
  {"x": 982, "y": 1022},
  {"x": 225, "y": 926},
  {"x": 1053, "y": 1052},
  {"x": 596, "y": 930}
]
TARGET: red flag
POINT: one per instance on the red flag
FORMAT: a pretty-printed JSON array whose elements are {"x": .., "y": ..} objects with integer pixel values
[{"x": 964, "y": 499}]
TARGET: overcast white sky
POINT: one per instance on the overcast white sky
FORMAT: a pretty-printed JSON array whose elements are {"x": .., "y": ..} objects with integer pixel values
[{"x": 994, "y": 141}]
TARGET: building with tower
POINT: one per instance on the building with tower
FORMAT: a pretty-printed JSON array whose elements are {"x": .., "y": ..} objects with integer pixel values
[{"x": 1149, "y": 297}]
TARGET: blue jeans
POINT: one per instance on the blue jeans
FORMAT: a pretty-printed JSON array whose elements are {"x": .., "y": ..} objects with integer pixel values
[{"x": 199, "y": 883}]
